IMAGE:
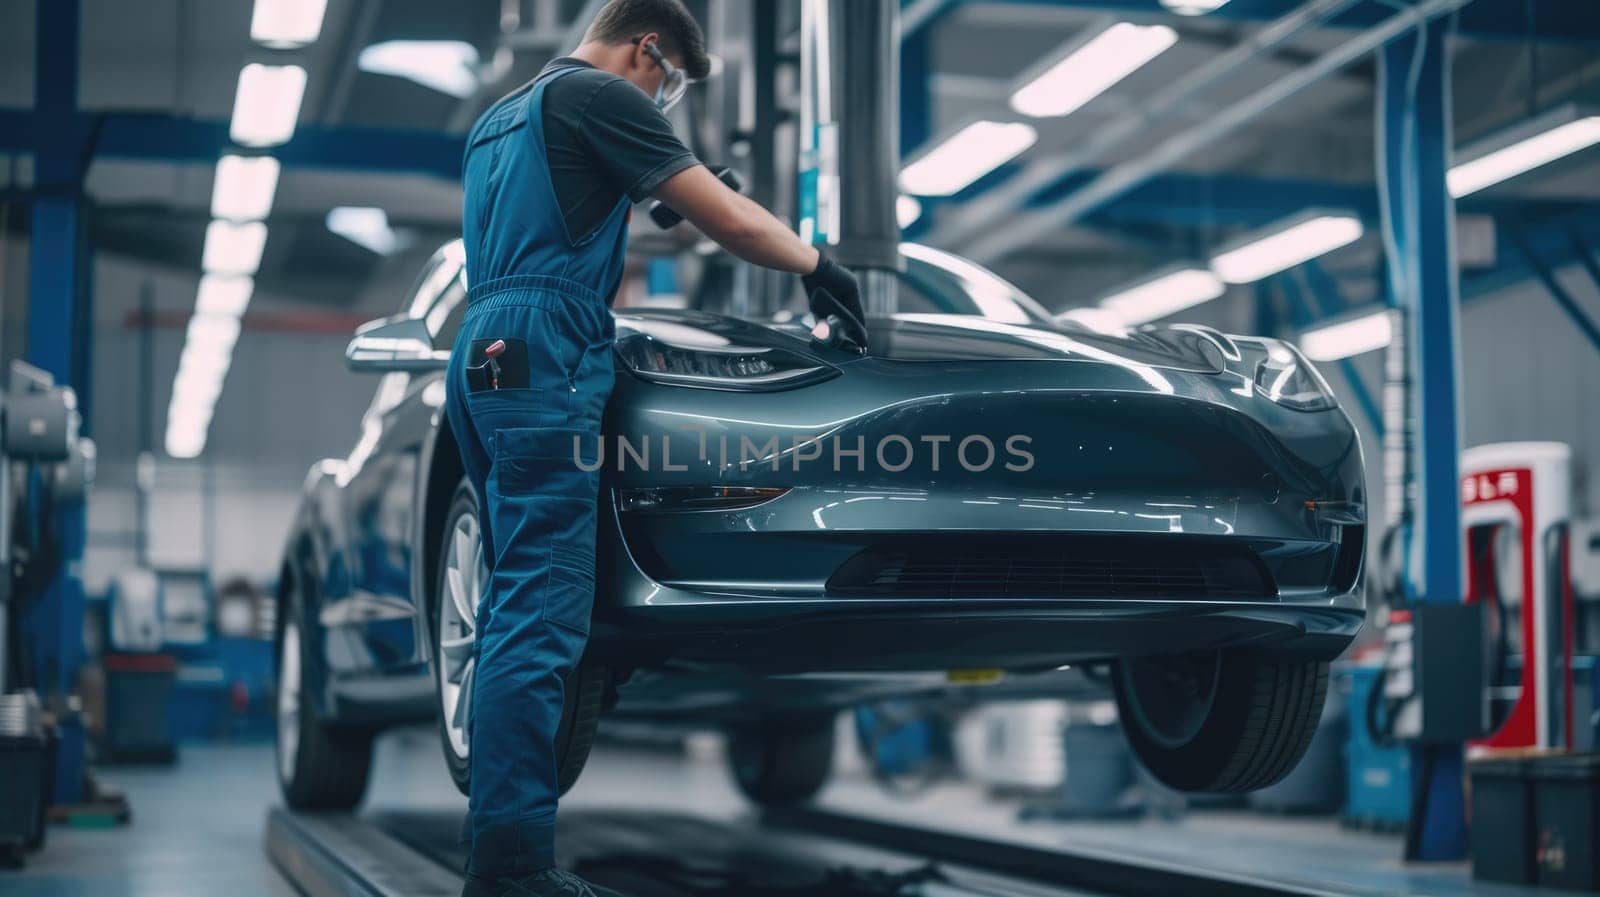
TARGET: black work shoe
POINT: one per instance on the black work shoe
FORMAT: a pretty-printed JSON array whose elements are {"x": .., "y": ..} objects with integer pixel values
[{"x": 545, "y": 883}]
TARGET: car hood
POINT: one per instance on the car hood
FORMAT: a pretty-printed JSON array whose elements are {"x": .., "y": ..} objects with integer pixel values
[{"x": 943, "y": 337}]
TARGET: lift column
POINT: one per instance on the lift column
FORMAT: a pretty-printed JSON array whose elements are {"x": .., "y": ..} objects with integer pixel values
[
  {"x": 867, "y": 92},
  {"x": 58, "y": 343},
  {"x": 1414, "y": 134},
  {"x": 850, "y": 165}
]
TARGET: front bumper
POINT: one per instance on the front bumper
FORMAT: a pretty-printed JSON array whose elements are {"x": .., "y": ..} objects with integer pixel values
[{"x": 1190, "y": 464}]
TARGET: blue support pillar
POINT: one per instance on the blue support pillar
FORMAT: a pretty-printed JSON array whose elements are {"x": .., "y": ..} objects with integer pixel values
[
  {"x": 1414, "y": 140},
  {"x": 57, "y": 342}
]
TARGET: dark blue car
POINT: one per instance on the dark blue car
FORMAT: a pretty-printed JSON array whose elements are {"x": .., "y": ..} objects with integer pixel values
[{"x": 790, "y": 528}]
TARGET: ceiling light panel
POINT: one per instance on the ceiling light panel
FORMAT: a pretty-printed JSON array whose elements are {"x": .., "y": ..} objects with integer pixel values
[
  {"x": 1164, "y": 294},
  {"x": 1091, "y": 69},
  {"x": 267, "y": 104},
  {"x": 244, "y": 187},
  {"x": 286, "y": 24},
  {"x": 965, "y": 156},
  {"x": 233, "y": 247},
  {"x": 1285, "y": 245}
]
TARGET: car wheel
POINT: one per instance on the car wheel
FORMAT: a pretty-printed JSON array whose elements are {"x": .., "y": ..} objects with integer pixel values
[
  {"x": 320, "y": 767},
  {"x": 463, "y": 575},
  {"x": 779, "y": 762},
  {"x": 1220, "y": 721}
]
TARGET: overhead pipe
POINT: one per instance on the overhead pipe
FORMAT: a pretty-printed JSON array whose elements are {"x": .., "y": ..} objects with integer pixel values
[
  {"x": 1121, "y": 178},
  {"x": 979, "y": 215}
]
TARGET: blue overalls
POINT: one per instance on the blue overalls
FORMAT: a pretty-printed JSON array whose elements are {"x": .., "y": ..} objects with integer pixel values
[{"x": 529, "y": 281}]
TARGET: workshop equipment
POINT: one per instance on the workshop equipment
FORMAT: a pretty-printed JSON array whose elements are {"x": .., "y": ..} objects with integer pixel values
[
  {"x": 1517, "y": 498},
  {"x": 138, "y": 677},
  {"x": 1501, "y": 834},
  {"x": 1432, "y": 686},
  {"x": 1014, "y": 746},
  {"x": 138, "y": 727},
  {"x": 24, "y": 776},
  {"x": 50, "y": 468},
  {"x": 1566, "y": 810},
  {"x": 134, "y": 599},
  {"x": 1377, "y": 771}
]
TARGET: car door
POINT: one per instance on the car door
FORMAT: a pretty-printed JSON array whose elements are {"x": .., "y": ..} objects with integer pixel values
[{"x": 381, "y": 479}]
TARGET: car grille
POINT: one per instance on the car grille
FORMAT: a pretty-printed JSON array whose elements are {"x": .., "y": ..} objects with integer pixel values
[{"x": 1088, "y": 568}]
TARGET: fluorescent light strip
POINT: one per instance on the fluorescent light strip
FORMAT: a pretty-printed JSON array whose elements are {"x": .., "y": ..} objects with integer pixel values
[
  {"x": 286, "y": 24},
  {"x": 244, "y": 187},
  {"x": 213, "y": 333},
  {"x": 448, "y": 66},
  {"x": 267, "y": 104},
  {"x": 1283, "y": 247},
  {"x": 223, "y": 294},
  {"x": 1091, "y": 69},
  {"x": 1193, "y": 7},
  {"x": 202, "y": 368},
  {"x": 907, "y": 210},
  {"x": 965, "y": 156},
  {"x": 233, "y": 247},
  {"x": 1163, "y": 295},
  {"x": 1343, "y": 339},
  {"x": 1524, "y": 155}
]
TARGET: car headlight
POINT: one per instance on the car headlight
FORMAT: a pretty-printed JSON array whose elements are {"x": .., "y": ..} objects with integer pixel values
[
  {"x": 1286, "y": 377},
  {"x": 755, "y": 369}
]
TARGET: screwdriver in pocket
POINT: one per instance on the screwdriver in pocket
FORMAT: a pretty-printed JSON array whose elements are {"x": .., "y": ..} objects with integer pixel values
[{"x": 491, "y": 353}]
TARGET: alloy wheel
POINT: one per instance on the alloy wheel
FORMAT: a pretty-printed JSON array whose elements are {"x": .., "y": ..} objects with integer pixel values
[
  {"x": 289, "y": 701},
  {"x": 466, "y": 574},
  {"x": 1172, "y": 697}
]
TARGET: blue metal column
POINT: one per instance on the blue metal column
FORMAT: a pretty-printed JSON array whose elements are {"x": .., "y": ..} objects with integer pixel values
[
  {"x": 1414, "y": 143},
  {"x": 57, "y": 342}
]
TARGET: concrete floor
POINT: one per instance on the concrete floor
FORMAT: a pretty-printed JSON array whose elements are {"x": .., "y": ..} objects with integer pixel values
[{"x": 197, "y": 828}]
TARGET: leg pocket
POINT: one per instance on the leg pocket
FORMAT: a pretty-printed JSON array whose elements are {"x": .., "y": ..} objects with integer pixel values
[
  {"x": 494, "y": 410},
  {"x": 546, "y": 484}
]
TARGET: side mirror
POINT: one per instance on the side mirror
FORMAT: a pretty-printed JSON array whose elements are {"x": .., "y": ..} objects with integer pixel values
[{"x": 400, "y": 343}]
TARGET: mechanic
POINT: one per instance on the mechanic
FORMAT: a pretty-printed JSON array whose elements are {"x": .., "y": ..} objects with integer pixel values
[{"x": 551, "y": 172}]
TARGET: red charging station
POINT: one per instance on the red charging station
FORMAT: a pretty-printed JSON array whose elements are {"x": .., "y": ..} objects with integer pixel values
[{"x": 1516, "y": 514}]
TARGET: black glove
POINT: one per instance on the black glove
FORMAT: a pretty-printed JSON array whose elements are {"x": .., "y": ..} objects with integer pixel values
[{"x": 832, "y": 291}]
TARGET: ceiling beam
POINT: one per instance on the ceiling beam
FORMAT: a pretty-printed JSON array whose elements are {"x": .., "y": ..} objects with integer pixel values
[
  {"x": 1116, "y": 181},
  {"x": 168, "y": 138},
  {"x": 1130, "y": 126},
  {"x": 1554, "y": 22}
]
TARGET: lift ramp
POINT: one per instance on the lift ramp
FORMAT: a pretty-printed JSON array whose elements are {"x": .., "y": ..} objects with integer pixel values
[{"x": 792, "y": 853}]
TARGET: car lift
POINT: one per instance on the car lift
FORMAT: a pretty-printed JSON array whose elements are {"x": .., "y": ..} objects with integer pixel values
[{"x": 789, "y": 853}]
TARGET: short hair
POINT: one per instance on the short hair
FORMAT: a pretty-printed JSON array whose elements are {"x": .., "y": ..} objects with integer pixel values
[{"x": 620, "y": 21}]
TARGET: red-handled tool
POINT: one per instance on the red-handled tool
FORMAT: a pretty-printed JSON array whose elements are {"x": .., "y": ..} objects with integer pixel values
[{"x": 491, "y": 352}]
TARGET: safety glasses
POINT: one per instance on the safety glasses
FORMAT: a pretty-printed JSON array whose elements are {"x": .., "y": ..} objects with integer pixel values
[{"x": 674, "y": 82}]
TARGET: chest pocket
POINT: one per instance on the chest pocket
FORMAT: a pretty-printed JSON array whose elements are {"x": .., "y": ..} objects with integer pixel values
[{"x": 486, "y": 154}]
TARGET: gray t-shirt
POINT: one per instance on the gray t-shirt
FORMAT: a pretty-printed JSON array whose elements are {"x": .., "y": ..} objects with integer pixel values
[{"x": 605, "y": 139}]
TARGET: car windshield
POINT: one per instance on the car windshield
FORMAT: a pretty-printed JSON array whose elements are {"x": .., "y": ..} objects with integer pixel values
[{"x": 937, "y": 282}]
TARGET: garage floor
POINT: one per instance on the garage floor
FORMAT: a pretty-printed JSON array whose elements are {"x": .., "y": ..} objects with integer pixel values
[{"x": 198, "y": 827}]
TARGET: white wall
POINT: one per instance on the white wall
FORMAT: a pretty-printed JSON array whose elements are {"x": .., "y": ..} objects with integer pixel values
[
  {"x": 1527, "y": 373},
  {"x": 288, "y": 401}
]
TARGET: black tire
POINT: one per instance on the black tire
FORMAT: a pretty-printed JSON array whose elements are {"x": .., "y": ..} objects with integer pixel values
[
  {"x": 586, "y": 688},
  {"x": 329, "y": 766},
  {"x": 580, "y": 720},
  {"x": 1221, "y": 721},
  {"x": 782, "y": 762}
]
